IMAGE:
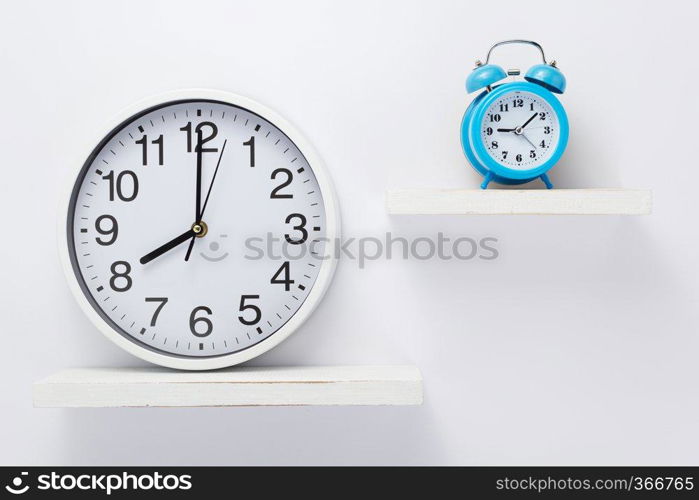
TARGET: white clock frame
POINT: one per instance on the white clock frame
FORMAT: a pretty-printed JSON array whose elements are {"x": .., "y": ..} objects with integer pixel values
[{"x": 327, "y": 266}]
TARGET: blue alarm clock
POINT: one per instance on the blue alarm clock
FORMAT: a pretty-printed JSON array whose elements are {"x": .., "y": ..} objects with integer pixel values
[{"x": 515, "y": 132}]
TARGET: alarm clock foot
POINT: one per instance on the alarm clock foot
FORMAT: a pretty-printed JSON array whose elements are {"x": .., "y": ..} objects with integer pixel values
[
  {"x": 547, "y": 181},
  {"x": 488, "y": 177}
]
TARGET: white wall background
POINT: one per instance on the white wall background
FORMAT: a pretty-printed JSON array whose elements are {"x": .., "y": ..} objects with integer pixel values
[{"x": 578, "y": 346}]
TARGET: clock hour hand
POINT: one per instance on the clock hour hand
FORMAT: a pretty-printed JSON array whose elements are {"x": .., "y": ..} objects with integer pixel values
[
  {"x": 506, "y": 129},
  {"x": 168, "y": 246}
]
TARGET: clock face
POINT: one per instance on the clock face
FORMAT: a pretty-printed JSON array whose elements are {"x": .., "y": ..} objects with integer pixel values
[
  {"x": 520, "y": 130},
  {"x": 197, "y": 229}
]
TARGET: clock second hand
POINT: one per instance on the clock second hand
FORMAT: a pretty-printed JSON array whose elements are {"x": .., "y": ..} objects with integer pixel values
[
  {"x": 208, "y": 193},
  {"x": 527, "y": 139},
  {"x": 206, "y": 200},
  {"x": 520, "y": 131}
]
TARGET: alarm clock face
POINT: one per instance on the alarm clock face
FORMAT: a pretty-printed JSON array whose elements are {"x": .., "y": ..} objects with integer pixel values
[
  {"x": 198, "y": 230},
  {"x": 520, "y": 130}
]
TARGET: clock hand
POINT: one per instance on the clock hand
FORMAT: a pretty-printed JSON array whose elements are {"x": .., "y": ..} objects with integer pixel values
[
  {"x": 197, "y": 213},
  {"x": 197, "y": 208},
  {"x": 206, "y": 200},
  {"x": 530, "y": 119},
  {"x": 527, "y": 139},
  {"x": 189, "y": 249},
  {"x": 208, "y": 193},
  {"x": 168, "y": 246},
  {"x": 506, "y": 129}
]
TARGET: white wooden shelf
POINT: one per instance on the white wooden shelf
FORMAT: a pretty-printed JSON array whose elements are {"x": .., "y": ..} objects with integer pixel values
[
  {"x": 238, "y": 386},
  {"x": 519, "y": 201}
]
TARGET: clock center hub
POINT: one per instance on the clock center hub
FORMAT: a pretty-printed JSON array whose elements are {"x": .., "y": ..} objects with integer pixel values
[{"x": 200, "y": 229}]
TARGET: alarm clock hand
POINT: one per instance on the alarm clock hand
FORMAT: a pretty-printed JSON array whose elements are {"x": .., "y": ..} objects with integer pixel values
[
  {"x": 530, "y": 120},
  {"x": 168, "y": 246},
  {"x": 506, "y": 129},
  {"x": 206, "y": 201},
  {"x": 527, "y": 139}
]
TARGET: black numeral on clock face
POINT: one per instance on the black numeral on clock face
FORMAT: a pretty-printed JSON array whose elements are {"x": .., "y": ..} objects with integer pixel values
[
  {"x": 143, "y": 141},
  {"x": 245, "y": 306},
  {"x": 195, "y": 322},
  {"x": 106, "y": 225},
  {"x": 117, "y": 185},
  {"x": 285, "y": 280},
  {"x": 210, "y": 128},
  {"x": 282, "y": 172},
  {"x": 120, "y": 280},
  {"x": 162, "y": 301},
  {"x": 251, "y": 144},
  {"x": 301, "y": 228}
]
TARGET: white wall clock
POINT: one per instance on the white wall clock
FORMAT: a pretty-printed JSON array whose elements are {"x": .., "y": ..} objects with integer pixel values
[{"x": 166, "y": 228}]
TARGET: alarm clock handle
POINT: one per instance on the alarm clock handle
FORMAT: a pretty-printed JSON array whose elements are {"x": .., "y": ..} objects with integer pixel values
[
  {"x": 547, "y": 181},
  {"x": 522, "y": 42}
]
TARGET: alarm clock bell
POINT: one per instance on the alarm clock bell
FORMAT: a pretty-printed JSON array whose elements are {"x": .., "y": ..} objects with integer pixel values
[
  {"x": 545, "y": 74},
  {"x": 548, "y": 76},
  {"x": 484, "y": 76}
]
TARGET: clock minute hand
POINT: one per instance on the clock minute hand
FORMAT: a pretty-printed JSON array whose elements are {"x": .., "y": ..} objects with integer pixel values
[
  {"x": 167, "y": 246},
  {"x": 206, "y": 201},
  {"x": 530, "y": 120},
  {"x": 197, "y": 207},
  {"x": 197, "y": 211}
]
